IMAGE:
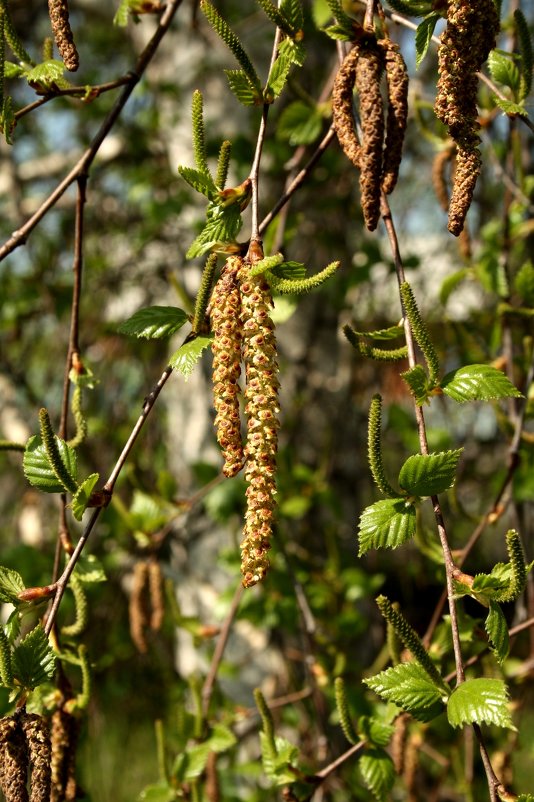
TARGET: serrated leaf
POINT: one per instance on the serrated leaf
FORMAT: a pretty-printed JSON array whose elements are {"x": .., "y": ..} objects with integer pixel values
[
  {"x": 162, "y": 792},
  {"x": 391, "y": 333},
  {"x": 37, "y": 468},
  {"x": 222, "y": 225},
  {"x": 200, "y": 181},
  {"x": 186, "y": 357},
  {"x": 49, "y": 72},
  {"x": 378, "y": 772},
  {"x": 509, "y": 107},
  {"x": 293, "y": 50},
  {"x": 425, "y": 475},
  {"x": 497, "y": 630},
  {"x": 34, "y": 661},
  {"x": 292, "y": 11},
  {"x": 275, "y": 764},
  {"x": 89, "y": 569},
  {"x": 300, "y": 123},
  {"x": 480, "y": 701},
  {"x": 524, "y": 283},
  {"x": 13, "y": 70},
  {"x": 242, "y": 88},
  {"x": 290, "y": 271},
  {"x": 221, "y": 738},
  {"x": 417, "y": 381},
  {"x": 154, "y": 322},
  {"x": 375, "y": 731},
  {"x": 423, "y": 36},
  {"x": 278, "y": 76},
  {"x": 81, "y": 498},
  {"x": 409, "y": 687},
  {"x": 11, "y": 583},
  {"x": 503, "y": 70},
  {"x": 386, "y": 524},
  {"x": 478, "y": 383},
  {"x": 340, "y": 32}
]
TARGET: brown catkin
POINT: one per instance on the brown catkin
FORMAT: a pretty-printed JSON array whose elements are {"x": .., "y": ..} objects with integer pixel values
[
  {"x": 368, "y": 73},
  {"x": 225, "y": 308},
  {"x": 64, "y": 739},
  {"x": 37, "y": 733},
  {"x": 59, "y": 18},
  {"x": 439, "y": 180},
  {"x": 13, "y": 761},
  {"x": 472, "y": 26},
  {"x": 342, "y": 99},
  {"x": 397, "y": 116},
  {"x": 137, "y": 606},
  {"x": 155, "y": 587},
  {"x": 261, "y": 395}
]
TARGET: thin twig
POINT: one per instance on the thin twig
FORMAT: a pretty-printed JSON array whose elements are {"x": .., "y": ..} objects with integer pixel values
[
  {"x": 207, "y": 688},
  {"x": 20, "y": 236},
  {"x": 324, "y": 773},
  {"x": 74, "y": 91}
]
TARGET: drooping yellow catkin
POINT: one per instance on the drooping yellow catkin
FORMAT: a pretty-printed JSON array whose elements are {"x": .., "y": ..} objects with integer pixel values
[
  {"x": 225, "y": 308},
  {"x": 397, "y": 115},
  {"x": 155, "y": 586},
  {"x": 261, "y": 395},
  {"x": 472, "y": 26},
  {"x": 342, "y": 99},
  {"x": 37, "y": 733},
  {"x": 13, "y": 761},
  {"x": 368, "y": 74},
  {"x": 59, "y": 18}
]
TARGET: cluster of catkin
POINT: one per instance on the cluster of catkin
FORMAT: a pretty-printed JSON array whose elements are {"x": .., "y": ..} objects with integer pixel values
[
  {"x": 377, "y": 160},
  {"x": 25, "y": 753},
  {"x": 146, "y": 607},
  {"x": 472, "y": 26},
  {"x": 244, "y": 332}
]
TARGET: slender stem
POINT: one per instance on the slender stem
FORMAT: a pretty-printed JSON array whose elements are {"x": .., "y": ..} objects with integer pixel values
[
  {"x": 324, "y": 773},
  {"x": 20, "y": 236},
  {"x": 209, "y": 683},
  {"x": 74, "y": 91}
]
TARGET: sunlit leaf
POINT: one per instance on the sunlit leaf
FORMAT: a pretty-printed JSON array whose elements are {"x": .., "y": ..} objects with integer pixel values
[
  {"x": 429, "y": 474},
  {"x": 386, "y": 525},
  {"x": 478, "y": 383},
  {"x": 409, "y": 687},
  {"x": 37, "y": 468},
  {"x": 11, "y": 583},
  {"x": 378, "y": 773},
  {"x": 154, "y": 322},
  {"x": 34, "y": 661},
  {"x": 480, "y": 701},
  {"x": 186, "y": 357},
  {"x": 81, "y": 498}
]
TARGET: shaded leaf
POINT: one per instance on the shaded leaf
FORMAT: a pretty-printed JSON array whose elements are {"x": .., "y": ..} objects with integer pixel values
[
  {"x": 391, "y": 333},
  {"x": 409, "y": 687},
  {"x": 509, "y": 107},
  {"x": 162, "y": 792},
  {"x": 429, "y": 474},
  {"x": 478, "y": 383},
  {"x": 524, "y": 283},
  {"x": 81, "y": 498},
  {"x": 480, "y": 701},
  {"x": 11, "y": 583},
  {"x": 89, "y": 569},
  {"x": 199, "y": 180},
  {"x": 423, "y": 36},
  {"x": 154, "y": 322},
  {"x": 276, "y": 764},
  {"x": 34, "y": 661},
  {"x": 37, "y": 468},
  {"x": 387, "y": 524},
  {"x": 374, "y": 730},
  {"x": 186, "y": 357},
  {"x": 300, "y": 123},
  {"x": 417, "y": 381},
  {"x": 503, "y": 70},
  {"x": 378, "y": 772},
  {"x": 497, "y": 630},
  {"x": 241, "y": 87}
]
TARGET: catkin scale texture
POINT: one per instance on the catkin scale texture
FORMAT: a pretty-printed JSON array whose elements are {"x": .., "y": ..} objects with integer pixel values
[
  {"x": 64, "y": 738},
  {"x": 368, "y": 74},
  {"x": 397, "y": 114},
  {"x": 13, "y": 761},
  {"x": 37, "y": 735},
  {"x": 261, "y": 397},
  {"x": 226, "y": 347},
  {"x": 343, "y": 118},
  {"x": 59, "y": 19}
]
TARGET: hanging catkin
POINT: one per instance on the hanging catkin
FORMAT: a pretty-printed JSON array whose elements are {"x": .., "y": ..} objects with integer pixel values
[
  {"x": 342, "y": 99},
  {"x": 397, "y": 114},
  {"x": 13, "y": 761},
  {"x": 37, "y": 736},
  {"x": 472, "y": 26},
  {"x": 59, "y": 18},
  {"x": 261, "y": 395},
  {"x": 368, "y": 73},
  {"x": 226, "y": 347}
]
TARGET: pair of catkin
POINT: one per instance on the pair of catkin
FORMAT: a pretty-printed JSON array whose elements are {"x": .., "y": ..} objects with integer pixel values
[
  {"x": 146, "y": 607},
  {"x": 472, "y": 26},
  {"x": 378, "y": 161},
  {"x": 25, "y": 747},
  {"x": 243, "y": 331},
  {"x": 64, "y": 737}
]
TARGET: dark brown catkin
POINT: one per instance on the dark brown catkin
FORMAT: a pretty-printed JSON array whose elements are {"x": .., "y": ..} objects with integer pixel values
[
  {"x": 342, "y": 100},
  {"x": 397, "y": 114},
  {"x": 439, "y": 180},
  {"x": 13, "y": 761},
  {"x": 37, "y": 733},
  {"x": 137, "y": 606},
  {"x": 261, "y": 395},
  {"x": 59, "y": 18},
  {"x": 225, "y": 308},
  {"x": 368, "y": 74}
]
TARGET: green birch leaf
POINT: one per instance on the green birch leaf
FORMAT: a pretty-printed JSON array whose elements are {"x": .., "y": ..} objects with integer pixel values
[
  {"x": 497, "y": 630},
  {"x": 429, "y": 474},
  {"x": 378, "y": 772},
  {"x": 11, "y": 583},
  {"x": 34, "y": 661},
  {"x": 417, "y": 381},
  {"x": 509, "y": 107},
  {"x": 524, "y": 283},
  {"x": 244, "y": 91},
  {"x": 81, "y": 498},
  {"x": 162, "y": 792},
  {"x": 375, "y": 731},
  {"x": 503, "y": 70},
  {"x": 480, "y": 701},
  {"x": 221, "y": 738},
  {"x": 187, "y": 356},
  {"x": 300, "y": 123},
  {"x": 391, "y": 333},
  {"x": 409, "y": 687},
  {"x": 199, "y": 181},
  {"x": 293, "y": 50},
  {"x": 222, "y": 226},
  {"x": 121, "y": 15},
  {"x": 49, "y": 72},
  {"x": 423, "y": 36},
  {"x": 154, "y": 322},
  {"x": 37, "y": 468},
  {"x": 292, "y": 11},
  {"x": 341, "y": 32},
  {"x": 290, "y": 271},
  {"x": 278, "y": 77},
  {"x": 386, "y": 524},
  {"x": 13, "y": 70},
  {"x": 89, "y": 569},
  {"x": 276, "y": 765},
  {"x": 451, "y": 283},
  {"x": 478, "y": 383},
  {"x": 525, "y": 798}
]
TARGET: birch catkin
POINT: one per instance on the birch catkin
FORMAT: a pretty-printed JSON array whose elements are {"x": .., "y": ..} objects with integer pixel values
[
  {"x": 397, "y": 114},
  {"x": 342, "y": 99},
  {"x": 59, "y": 18},
  {"x": 226, "y": 348},
  {"x": 13, "y": 761},
  {"x": 261, "y": 395},
  {"x": 37, "y": 736},
  {"x": 64, "y": 738},
  {"x": 368, "y": 73}
]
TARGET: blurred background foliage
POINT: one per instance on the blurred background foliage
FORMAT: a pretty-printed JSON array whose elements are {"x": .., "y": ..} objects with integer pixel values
[{"x": 314, "y": 618}]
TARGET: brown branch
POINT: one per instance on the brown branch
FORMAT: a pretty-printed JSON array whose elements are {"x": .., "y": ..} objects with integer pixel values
[
  {"x": 74, "y": 91},
  {"x": 207, "y": 688},
  {"x": 20, "y": 236}
]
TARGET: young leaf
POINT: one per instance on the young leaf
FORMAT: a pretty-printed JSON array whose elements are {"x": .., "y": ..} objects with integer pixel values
[
  {"x": 524, "y": 283},
  {"x": 48, "y": 73},
  {"x": 509, "y": 107},
  {"x": 11, "y": 583},
  {"x": 378, "y": 773},
  {"x": 503, "y": 70},
  {"x": 292, "y": 11},
  {"x": 412, "y": 8},
  {"x": 154, "y": 322},
  {"x": 480, "y": 701},
  {"x": 387, "y": 524},
  {"x": 425, "y": 475},
  {"x": 391, "y": 333},
  {"x": 267, "y": 263},
  {"x": 222, "y": 226},
  {"x": 497, "y": 630},
  {"x": 199, "y": 181},
  {"x": 38, "y": 470},
  {"x": 279, "y": 766},
  {"x": 232, "y": 41},
  {"x": 524, "y": 41},
  {"x": 423, "y": 36},
  {"x": 242, "y": 88},
  {"x": 81, "y": 498},
  {"x": 162, "y": 792},
  {"x": 478, "y": 383},
  {"x": 89, "y": 569},
  {"x": 300, "y": 123},
  {"x": 34, "y": 661},
  {"x": 293, "y": 50},
  {"x": 186, "y": 357},
  {"x": 375, "y": 731},
  {"x": 277, "y": 77},
  {"x": 121, "y": 15},
  {"x": 417, "y": 381},
  {"x": 277, "y": 16},
  {"x": 409, "y": 687}
]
